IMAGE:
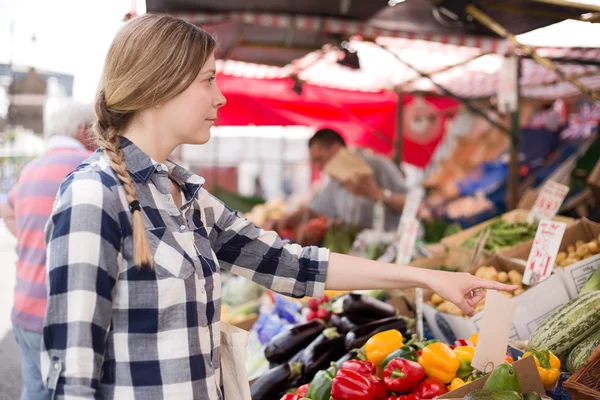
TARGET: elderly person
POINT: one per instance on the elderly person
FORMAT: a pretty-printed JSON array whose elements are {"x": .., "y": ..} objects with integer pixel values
[{"x": 28, "y": 208}]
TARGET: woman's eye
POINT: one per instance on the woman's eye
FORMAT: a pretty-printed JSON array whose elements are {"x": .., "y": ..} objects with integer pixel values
[{"x": 211, "y": 80}]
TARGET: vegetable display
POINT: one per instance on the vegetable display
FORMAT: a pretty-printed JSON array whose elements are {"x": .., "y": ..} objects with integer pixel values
[
  {"x": 503, "y": 235},
  {"x": 512, "y": 277},
  {"x": 577, "y": 252}
]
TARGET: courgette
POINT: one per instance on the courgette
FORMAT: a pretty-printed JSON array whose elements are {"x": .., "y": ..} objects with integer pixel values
[
  {"x": 582, "y": 352},
  {"x": 568, "y": 326}
]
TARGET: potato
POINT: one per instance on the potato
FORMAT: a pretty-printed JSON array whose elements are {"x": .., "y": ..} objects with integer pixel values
[
  {"x": 489, "y": 273},
  {"x": 560, "y": 257},
  {"x": 588, "y": 255},
  {"x": 570, "y": 249},
  {"x": 449, "y": 308},
  {"x": 519, "y": 291},
  {"x": 436, "y": 299},
  {"x": 568, "y": 261},
  {"x": 506, "y": 294},
  {"x": 578, "y": 244},
  {"x": 515, "y": 277},
  {"x": 573, "y": 256},
  {"x": 593, "y": 247},
  {"x": 582, "y": 250},
  {"x": 502, "y": 277}
]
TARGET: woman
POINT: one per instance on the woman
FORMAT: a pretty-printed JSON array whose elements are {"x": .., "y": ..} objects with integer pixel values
[{"x": 135, "y": 244}]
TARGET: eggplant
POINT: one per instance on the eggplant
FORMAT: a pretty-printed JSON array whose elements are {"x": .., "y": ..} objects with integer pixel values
[
  {"x": 358, "y": 337},
  {"x": 351, "y": 355},
  {"x": 361, "y": 305},
  {"x": 275, "y": 381},
  {"x": 360, "y": 319},
  {"x": 287, "y": 343},
  {"x": 335, "y": 320},
  {"x": 320, "y": 352}
]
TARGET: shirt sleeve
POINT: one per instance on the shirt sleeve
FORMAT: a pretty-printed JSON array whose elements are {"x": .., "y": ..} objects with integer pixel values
[
  {"x": 262, "y": 256},
  {"x": 83, "y": 240}
]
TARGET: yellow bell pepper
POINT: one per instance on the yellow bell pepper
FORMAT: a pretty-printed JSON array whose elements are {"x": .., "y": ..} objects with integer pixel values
[
  {"x": 474, "y": 339},
  {"x": 381, "y": 344},
  {"x": 465, "y": 355},
  {"x": 548, "y": 365},
  {"x": 456, "y": 383},
  {"x": 440, "y": 362},
  {"x": 465, "y": 352}
]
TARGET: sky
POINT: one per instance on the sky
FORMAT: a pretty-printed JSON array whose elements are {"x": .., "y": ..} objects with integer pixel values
[{"x": 73, "y": 36}]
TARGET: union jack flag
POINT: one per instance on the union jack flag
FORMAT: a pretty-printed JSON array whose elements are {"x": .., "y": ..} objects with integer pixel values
[{"x": 583, "y": 124}]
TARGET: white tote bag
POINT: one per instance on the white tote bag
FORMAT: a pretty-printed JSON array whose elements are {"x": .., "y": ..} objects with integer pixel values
[{"x": 234, "y": 342}]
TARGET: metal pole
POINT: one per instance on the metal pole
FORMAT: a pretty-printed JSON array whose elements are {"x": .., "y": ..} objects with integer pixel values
[
  {"x": 399, "y": 128},
  {"x": 514, "y": 177},
  {"x": 501, "y": 31},
  {"x": 448, "y": 93}
]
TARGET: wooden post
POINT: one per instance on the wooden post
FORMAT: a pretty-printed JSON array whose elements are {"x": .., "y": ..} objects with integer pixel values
[
  {"x": 514, "y": 176},
  {"x": 399, "y": 127}
]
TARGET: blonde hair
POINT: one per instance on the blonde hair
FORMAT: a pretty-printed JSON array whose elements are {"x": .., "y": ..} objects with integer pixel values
[{"x": 152, "y": 59}]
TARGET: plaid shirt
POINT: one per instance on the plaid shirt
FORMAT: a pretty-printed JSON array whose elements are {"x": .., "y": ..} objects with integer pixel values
[{"x": 113, "y": 331}]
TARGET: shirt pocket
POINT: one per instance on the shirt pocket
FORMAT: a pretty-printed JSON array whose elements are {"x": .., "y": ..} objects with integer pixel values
[{"x": 172, "y": 252}]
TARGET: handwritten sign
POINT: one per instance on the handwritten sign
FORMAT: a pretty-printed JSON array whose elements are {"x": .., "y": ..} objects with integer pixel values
[
  {"x": 543, "y": 252},
  {"x": 408, "y": 238},
  {"x": 496, "y": 324},
  {"x": 411, "y": 205},
  {"x": 548, "y": 201}
]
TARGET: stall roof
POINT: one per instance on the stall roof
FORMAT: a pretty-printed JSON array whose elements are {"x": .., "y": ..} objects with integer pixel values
[
  {"x": 278, "y": 31},
  {"x": 476, "y": 78}
]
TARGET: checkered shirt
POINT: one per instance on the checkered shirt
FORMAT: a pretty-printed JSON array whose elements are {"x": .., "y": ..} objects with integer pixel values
[{"x": 113, "y": 331}]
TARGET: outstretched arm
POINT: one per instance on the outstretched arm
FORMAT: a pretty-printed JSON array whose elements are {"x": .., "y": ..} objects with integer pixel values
[{"x": 352, "y": 273}]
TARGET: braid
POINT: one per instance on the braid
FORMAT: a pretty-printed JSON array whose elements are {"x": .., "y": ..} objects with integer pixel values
[{"x": 107, "y": 136}]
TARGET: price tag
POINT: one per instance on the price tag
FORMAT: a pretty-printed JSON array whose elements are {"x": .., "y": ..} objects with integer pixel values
[
  {"x": 548, "y": 201},
  {"x": 496, "y": 323},
  {"x": 543, "y": 252},
  {"x": 408, "y": 238},
  {"x": 411, "y": 205}
]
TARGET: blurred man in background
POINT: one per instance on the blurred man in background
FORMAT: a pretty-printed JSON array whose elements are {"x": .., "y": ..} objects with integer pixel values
[
  {"x": 351, "y": 202},
  {"x": 28, "y": 208}
]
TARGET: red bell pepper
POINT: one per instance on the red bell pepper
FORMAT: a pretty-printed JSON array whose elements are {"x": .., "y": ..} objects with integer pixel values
[
  {"x": 430, "y": 388},
  {"x": 302, "y": 390},
  {"x": 461, "y": 342},
  {"x": 403, "y": 375},
  {"x": 362, "y": 367},
  {"x": 378, "y": 388},
  {"x": 404, "y": 397},
  {"x": 291, "y": 396},
  {"x": 350, "y": 385}
]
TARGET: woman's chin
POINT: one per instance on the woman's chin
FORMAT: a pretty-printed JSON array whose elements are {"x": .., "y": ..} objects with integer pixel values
[{"x": 200, "y": 137}]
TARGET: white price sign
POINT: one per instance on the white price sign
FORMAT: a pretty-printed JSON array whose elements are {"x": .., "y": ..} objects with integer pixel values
[
  {"x": 543, "y": 252},
  {"x": 411, "y": 205},
  {"x": 548, "y": 201},
  {"x": 408, "y": 238}
]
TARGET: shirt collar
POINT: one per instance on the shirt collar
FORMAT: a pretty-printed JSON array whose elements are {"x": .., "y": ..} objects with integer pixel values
[
  {"x": 142, "y": 167},
  {"x": 64, "y": 142}
]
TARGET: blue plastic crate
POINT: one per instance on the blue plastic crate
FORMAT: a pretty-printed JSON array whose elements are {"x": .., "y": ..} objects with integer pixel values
[{"x": 560, "y": 393}]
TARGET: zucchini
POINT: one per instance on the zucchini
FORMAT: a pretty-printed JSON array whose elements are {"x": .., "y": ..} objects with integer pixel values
[
  {"x": 582, "y": 352},
  {"x": 568, "y": 326}
]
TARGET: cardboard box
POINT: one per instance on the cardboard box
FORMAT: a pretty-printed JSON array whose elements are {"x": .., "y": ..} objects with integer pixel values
[
  {"x": 533, "y": 307},
  {"x": 529, "y": 378},
  {"x": 517, "y": 215},
  {"x": 575, "y": 275},
  {"x": 347, "y": 165}
]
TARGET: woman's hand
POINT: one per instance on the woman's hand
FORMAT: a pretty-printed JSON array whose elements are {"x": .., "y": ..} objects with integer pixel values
[{"x": 464, "y": 289}]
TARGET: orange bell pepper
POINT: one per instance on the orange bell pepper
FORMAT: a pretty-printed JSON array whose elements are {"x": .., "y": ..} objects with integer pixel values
[
  {"x": 381, "y": 344},
  {"x": 440, "y": 362},
  {"x": 474, "y": 339}
]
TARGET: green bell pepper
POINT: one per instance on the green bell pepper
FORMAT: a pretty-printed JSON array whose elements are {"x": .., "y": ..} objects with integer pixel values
[
  {"x": 406, "y": 352},
  {"x": 320, "y": 386}
]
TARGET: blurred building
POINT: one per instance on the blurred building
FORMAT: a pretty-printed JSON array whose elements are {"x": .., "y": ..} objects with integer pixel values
[{"x": 27, "y": 91}]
